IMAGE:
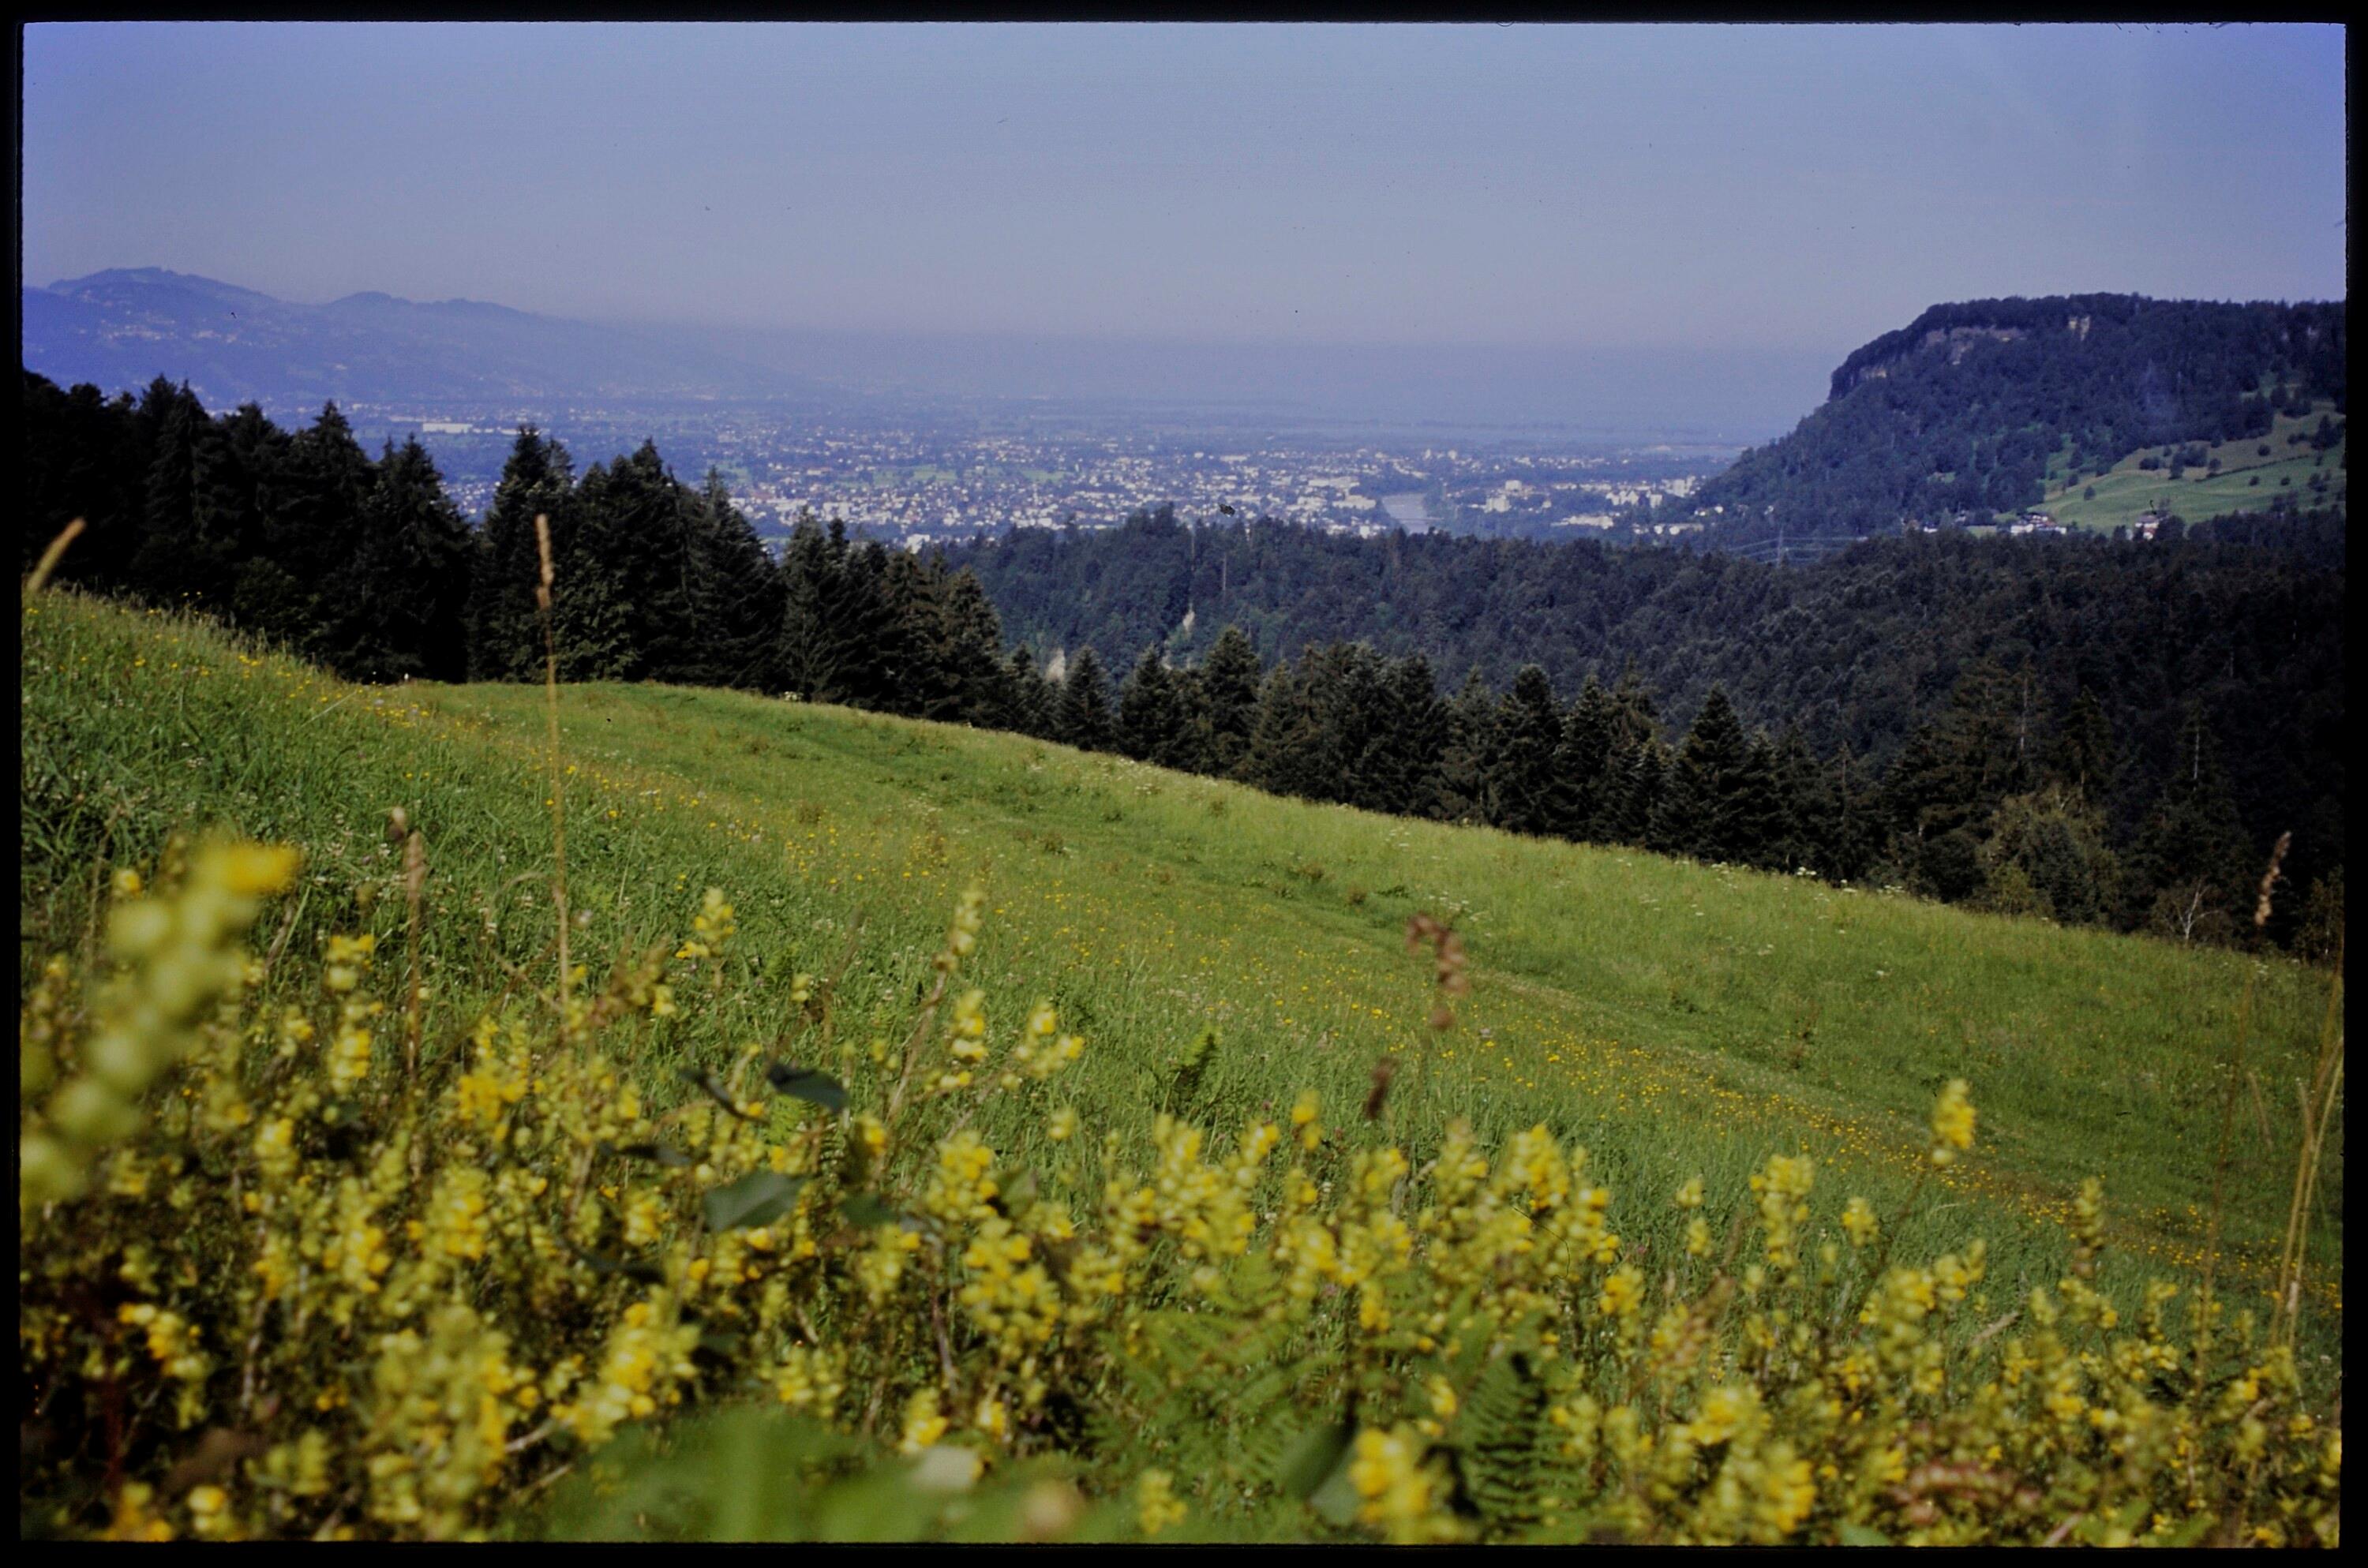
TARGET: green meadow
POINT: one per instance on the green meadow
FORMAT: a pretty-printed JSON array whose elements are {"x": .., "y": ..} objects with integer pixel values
[
  {"x": 1676, "y": 1019},
  {"x": 2248, "y": 480}
]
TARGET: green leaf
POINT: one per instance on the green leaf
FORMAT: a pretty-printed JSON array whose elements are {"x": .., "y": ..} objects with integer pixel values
[
  {"x": 658, "y": 1153},
  {"x": 805, "y": 1083},
  {"x": 755, "y": 1200},
  {"x": 1311, "y": 1457},
  {"x": 1336, "y": 1498},
  {"x": 715, "y": 1091},
  {"x": 1862, "y": 1535},
  {"x": 647, "y": 1273},
  {"x": 865, "y": 1209}
]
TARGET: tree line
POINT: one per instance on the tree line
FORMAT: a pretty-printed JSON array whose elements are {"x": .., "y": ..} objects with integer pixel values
[
  {"x": 1994, "y": 802},
  {"x": 2002, "y": 792}
]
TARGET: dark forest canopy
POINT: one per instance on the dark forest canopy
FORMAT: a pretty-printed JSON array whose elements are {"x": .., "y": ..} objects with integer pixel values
[
  {"x": 1961, "y": 411},
  {"x": 2092, "y": 731},
  {"x": 1855, "y": 650}
]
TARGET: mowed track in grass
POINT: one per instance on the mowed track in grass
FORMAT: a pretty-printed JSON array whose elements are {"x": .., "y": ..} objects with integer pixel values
[{"x": 1675, "y": 1020}]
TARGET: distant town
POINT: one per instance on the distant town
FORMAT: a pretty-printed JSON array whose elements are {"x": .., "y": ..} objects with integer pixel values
[{"x": 935, "y": 478}]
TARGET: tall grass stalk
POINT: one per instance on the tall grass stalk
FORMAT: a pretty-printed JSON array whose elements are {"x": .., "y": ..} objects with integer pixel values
[
  {"x": 49, "y": 561},
  {"x": 2233, "y": 1073},
  {"x": 558, "y": 778},
  {"x": 2318, "y": 1102}
]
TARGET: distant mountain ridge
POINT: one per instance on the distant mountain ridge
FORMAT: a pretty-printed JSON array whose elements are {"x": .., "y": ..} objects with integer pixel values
[
  {"x": 121, "y": 329},
  {"x": 1962, "y": 411}
]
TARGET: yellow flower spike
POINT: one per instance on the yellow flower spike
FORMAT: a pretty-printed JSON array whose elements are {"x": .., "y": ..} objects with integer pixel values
[
  {"x": 1952, "y": 1123},
  {"x": 1156, "y": 1505}
]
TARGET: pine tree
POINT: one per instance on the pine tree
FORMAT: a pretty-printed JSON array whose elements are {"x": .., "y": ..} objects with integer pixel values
[
  {"x": 1084, "y": 718},
  {"x": 1229, "y": 689}
]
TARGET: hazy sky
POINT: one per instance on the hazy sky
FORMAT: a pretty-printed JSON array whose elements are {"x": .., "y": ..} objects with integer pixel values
[{"x": 1767, "y": 189}]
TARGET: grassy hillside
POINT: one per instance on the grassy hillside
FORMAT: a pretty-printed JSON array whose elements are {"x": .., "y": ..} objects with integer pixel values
[
  {"x": 1675, "y": 1019},
  {"x": 2248, "y": 480}
]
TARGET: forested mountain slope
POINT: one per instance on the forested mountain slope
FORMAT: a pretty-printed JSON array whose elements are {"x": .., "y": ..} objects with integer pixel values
[{"x": 1964, "y": 410}]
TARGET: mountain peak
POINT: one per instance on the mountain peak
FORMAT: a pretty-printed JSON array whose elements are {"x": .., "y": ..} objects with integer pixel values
[{"x": 115, "y": 280}]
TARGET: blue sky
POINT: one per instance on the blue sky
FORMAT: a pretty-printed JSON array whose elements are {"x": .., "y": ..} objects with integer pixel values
[{"x": 1764, "y": 190}]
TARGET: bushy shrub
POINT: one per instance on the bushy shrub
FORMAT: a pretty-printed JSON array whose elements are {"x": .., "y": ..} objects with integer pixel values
[{"x": 292, "y": 1270}]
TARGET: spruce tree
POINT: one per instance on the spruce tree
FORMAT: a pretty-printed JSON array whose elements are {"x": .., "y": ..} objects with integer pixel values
[
  {"x": 1805, "y": 804},
  {"x": 1229, "y": 690},
  {"x": 1413, "y": 727},
  {"x": 1150, "y": 719},
  {"x": 625, "y": 557},
  {"x": 1084, "y": 717},
  {"x": 1644, "y": 783},
  {"x": 865, "y": 629},
  {"x": 1527, "y": 792},
  {"x": 973, "y": 655},
  {"x": 1470, "y": 755},
  {"x": 806, "y": 655},
  {"x": 734, "y": 594},
  {"x": 1705, "y": 811},
  {"x": 914, "y": 675},
  {"x": 1853, "y": 838},
  {"x": 2084, "y": 756},
  {"x": 1758, "y": 825},
  {"x": 400, "y": 608},
  {"x": 1585, "y": 760},
  {"x": 312, "y": 529},
  {"x": 1286, "y": 749},
  {"x": 504, "y": 630},
  {"x": 163, "y": 568},
  {"x": 2190, "y": 868}
]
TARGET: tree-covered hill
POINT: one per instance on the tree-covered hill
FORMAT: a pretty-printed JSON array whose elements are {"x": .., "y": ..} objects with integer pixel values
[{"x": 1962, "y": 411}]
